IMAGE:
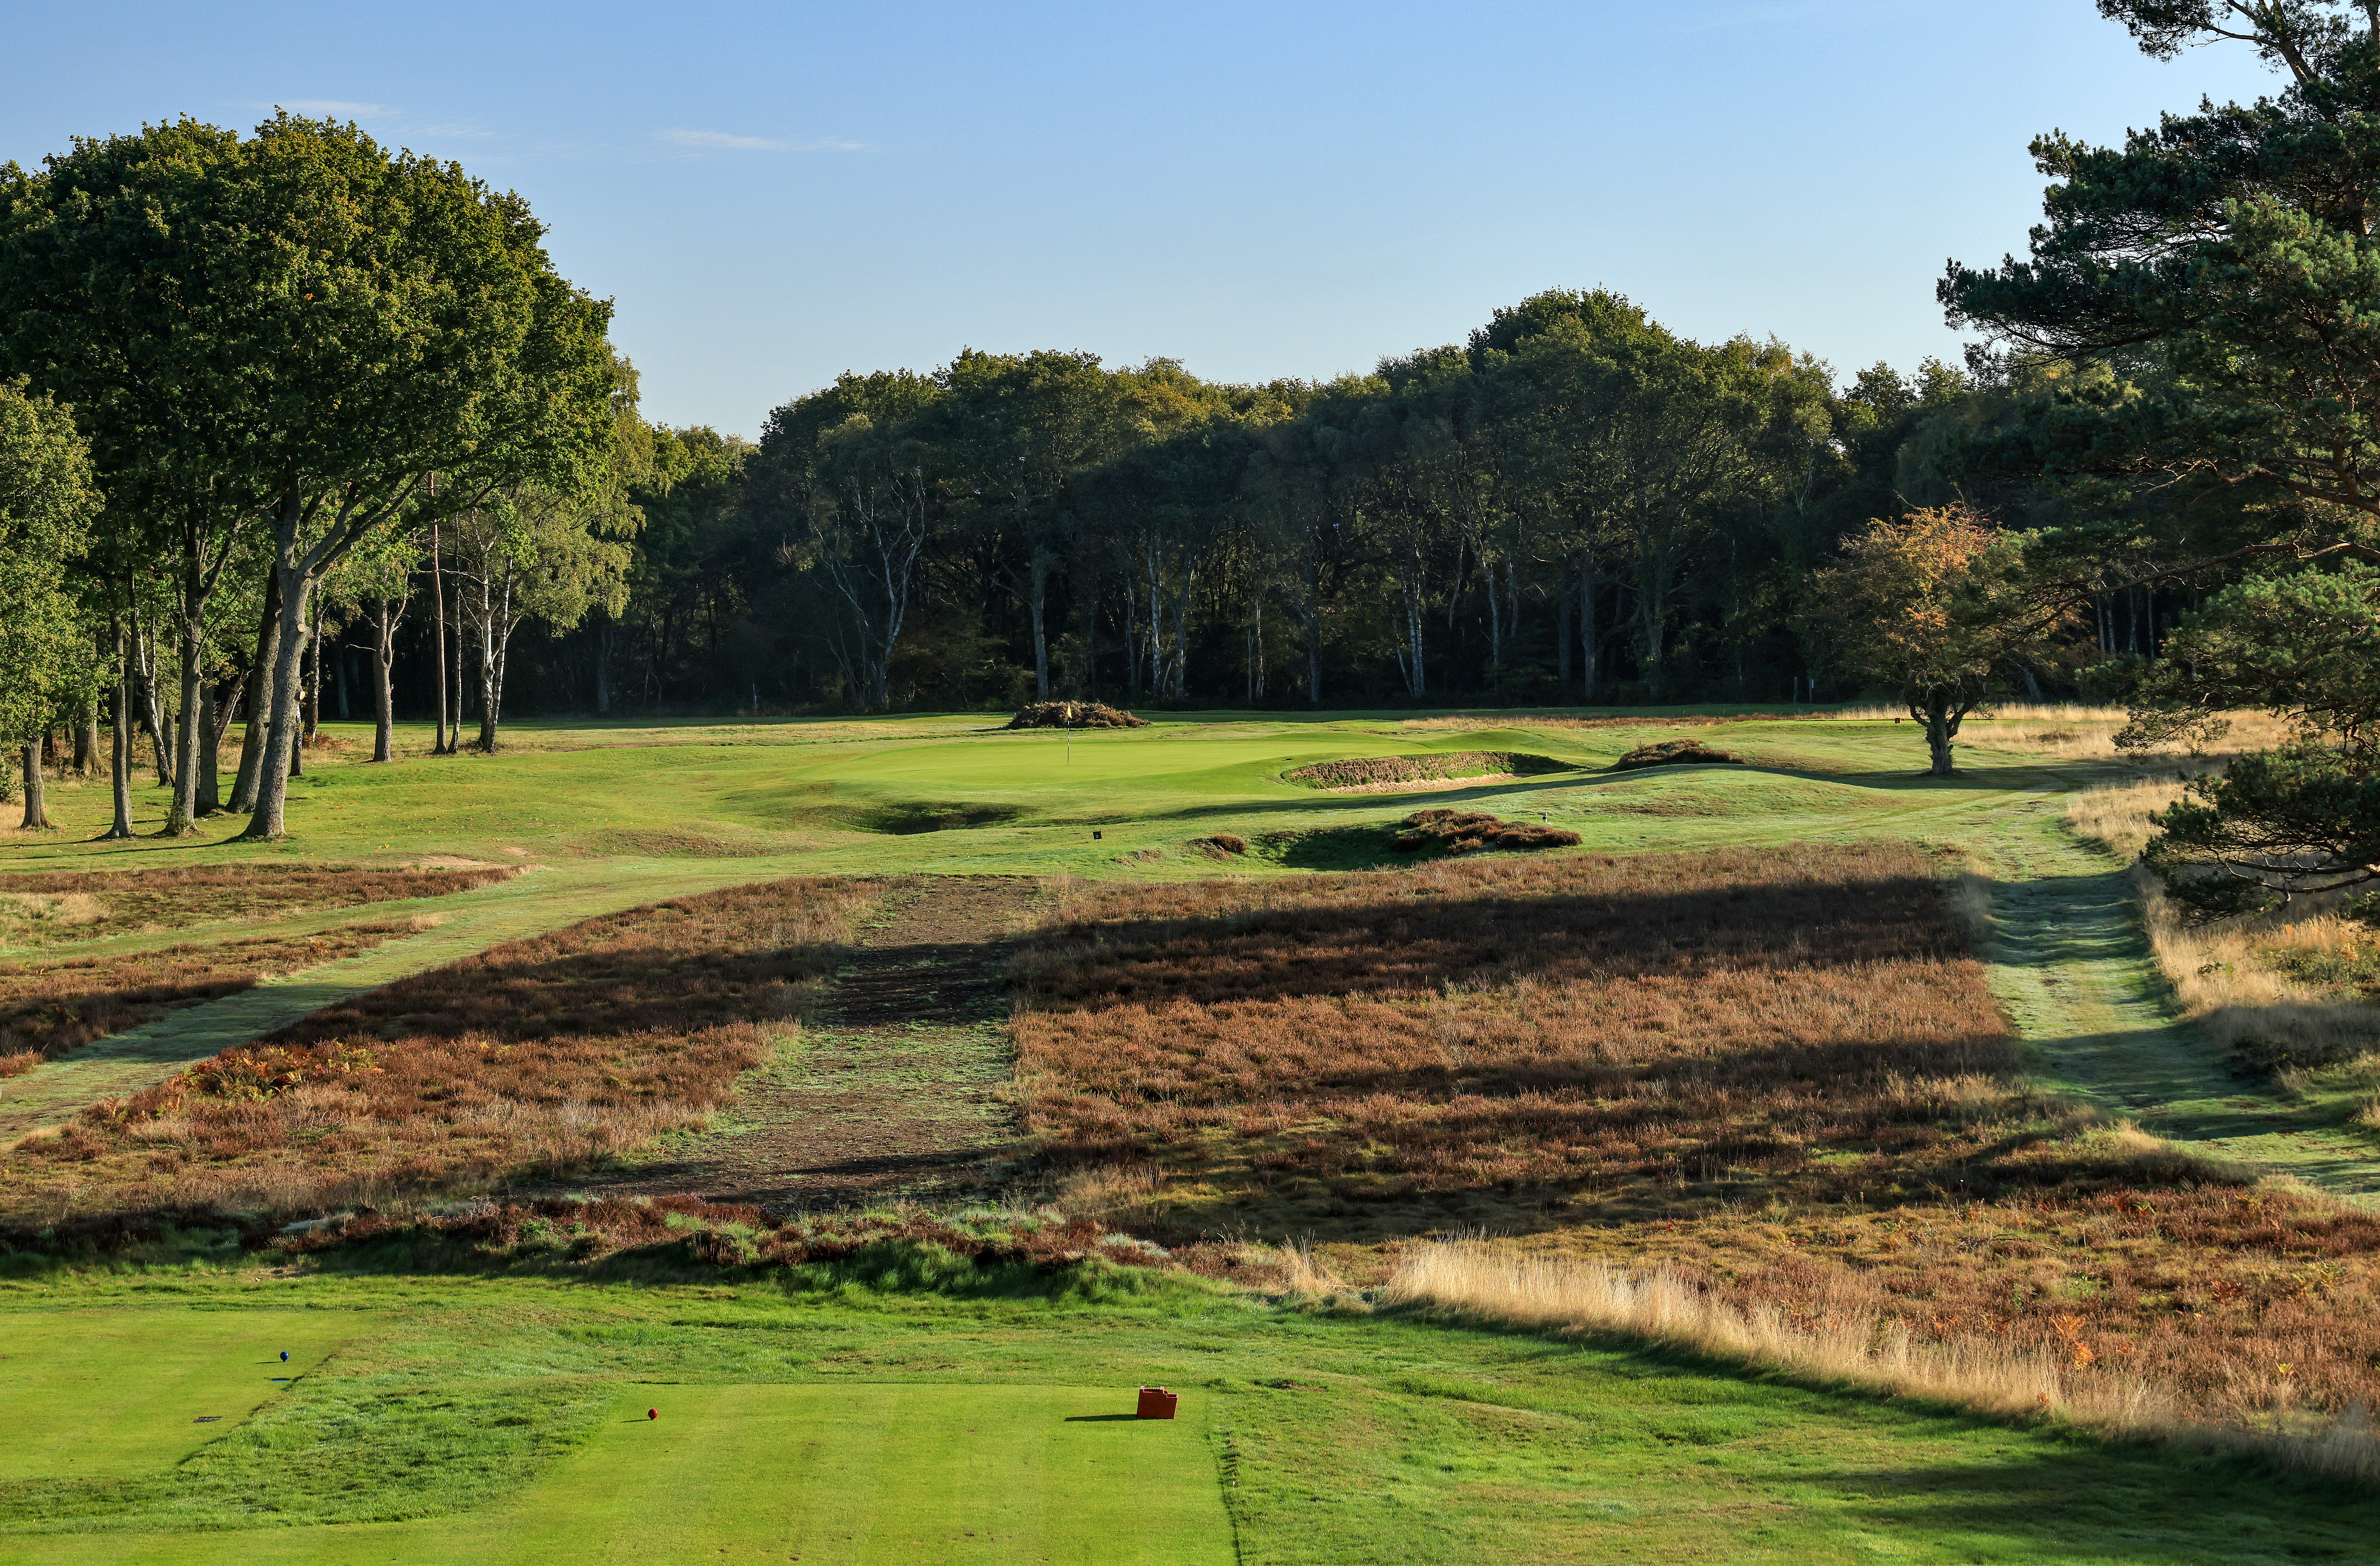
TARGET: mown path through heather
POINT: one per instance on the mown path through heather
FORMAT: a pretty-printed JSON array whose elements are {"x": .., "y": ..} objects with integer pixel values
[
  {"x": 2071, "y": 967},
  {"x": 893, "y": 1088}
]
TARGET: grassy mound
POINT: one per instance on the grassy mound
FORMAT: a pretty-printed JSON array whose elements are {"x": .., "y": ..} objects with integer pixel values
[
  {"x": 1221, "y": 846},
  {"x": 1671, "y": 753},
  {"x": 1355, "y": 771},
  {"x": 1075, "y": 715},
  {"x": 1474, "y": 832}
]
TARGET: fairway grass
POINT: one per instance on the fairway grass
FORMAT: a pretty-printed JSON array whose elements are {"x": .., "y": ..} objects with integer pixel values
[{"x": 859, "y": 1428}]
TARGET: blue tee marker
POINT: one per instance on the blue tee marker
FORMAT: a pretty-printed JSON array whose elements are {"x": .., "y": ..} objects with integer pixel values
[{"x": 284, "y": 1357}]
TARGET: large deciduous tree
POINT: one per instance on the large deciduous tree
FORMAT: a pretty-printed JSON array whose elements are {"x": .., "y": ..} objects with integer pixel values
[
  {"x": 47, "y": 497},
  {"x": 354, "y": 340},
  {"x": 1932, "y": 608}
]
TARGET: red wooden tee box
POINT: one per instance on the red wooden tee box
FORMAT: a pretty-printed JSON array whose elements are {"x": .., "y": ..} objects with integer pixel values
[{"x": 1156, "y": 1402}]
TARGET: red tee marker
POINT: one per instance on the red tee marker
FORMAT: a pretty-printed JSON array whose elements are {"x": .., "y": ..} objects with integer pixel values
[
  {"x": 653, "y": 1413},
  {"x": 1156, "y": 1402}
]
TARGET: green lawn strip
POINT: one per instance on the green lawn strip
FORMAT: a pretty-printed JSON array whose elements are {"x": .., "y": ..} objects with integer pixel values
[
  {"x": 2071, "y": 967},
  {"x": 1003, "y": 802},
  {"x": 94, "y": 1394},
  {"x": 500, "y": 1419}
]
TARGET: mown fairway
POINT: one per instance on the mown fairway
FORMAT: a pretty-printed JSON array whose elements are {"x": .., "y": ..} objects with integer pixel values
[
  {"x": 506, "y": 1420},
  {"x": 456, "y": 1406}
]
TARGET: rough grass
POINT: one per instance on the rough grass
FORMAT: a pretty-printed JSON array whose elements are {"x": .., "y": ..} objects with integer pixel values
[
  {"x": 47, "y": 907},
  {"x": 1780, "y": 1073},
  {"x": 534, "y": 1057},
  {"x": 49, "y": 1006},
  {"x": 2288, "y": 988},
  {"x": 1362, "y": 771}
]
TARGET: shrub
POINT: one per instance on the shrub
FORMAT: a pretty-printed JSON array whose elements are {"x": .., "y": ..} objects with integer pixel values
[
  {"x": 1075, "y": 715},
  {"x": 1474, "y": 832},
  {"x": 1355, "y": 771},
  {"x": 1671, "y": 753}
]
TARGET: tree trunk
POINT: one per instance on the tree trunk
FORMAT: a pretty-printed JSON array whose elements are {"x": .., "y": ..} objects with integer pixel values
[
  {"x": 1561, "y": 634},
  {"x": 181, "y": 816},
  {"x": 603, "y": 635},
  {"x": 37, "y": 815},
  {"x": 455, "y": 735},
  {"x": 206, "y": 792},
  {"x": 1941, "y": 727},
  {"x": 260, "y": 698},
  {"x": 86, "y": 756},
  {"x": 1040, "y": 642},
  {"x": 270, "y": 821},
  {"x": 1589, "y": 648},
  {"x": 120, "y": 741},
  {"x": 384, "y": 703},
  {"x": 438, "y": 639}
]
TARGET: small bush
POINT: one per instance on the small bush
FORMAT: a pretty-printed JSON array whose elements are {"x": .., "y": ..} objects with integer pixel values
[
  {"x": 1672, "y": 753},
  {"x": 1473, "y": 831},
  {"x": 1357, "y": 771},
  {"x": 1075, "y": 715}
]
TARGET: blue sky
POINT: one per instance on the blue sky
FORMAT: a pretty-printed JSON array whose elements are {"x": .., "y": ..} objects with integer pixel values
[{"x": 776, "y": 193}]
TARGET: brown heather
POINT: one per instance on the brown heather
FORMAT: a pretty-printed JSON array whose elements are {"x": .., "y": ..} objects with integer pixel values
[
  {"x": 1777, "y": 1073},
  {"x": 1356, "y": 772},
  {"x": 49, "y": 1006},
  {"x": 535, "y": 1057},
  {"x": 49, "y": 906}
]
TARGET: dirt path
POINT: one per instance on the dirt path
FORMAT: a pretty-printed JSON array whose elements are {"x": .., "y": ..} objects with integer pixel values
[
  {"x": 2071, "y": 964},
  {"x": 892, "y": 1091}
]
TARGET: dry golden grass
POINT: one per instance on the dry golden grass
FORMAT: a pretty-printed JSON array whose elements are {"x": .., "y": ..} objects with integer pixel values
[
  {"x": 47, "y": 907},
  {"x": 2229, "y": 977},
  {"x": 1842, "y": 1339},
  {"x": 538, "y": 1056},
  {"x": 1778, "y": 1074}
]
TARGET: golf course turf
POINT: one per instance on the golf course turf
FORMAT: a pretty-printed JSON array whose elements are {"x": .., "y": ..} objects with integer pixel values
[{"x": 442, "y": 1405}]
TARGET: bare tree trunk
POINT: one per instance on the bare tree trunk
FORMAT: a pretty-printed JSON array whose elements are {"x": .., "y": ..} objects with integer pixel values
[
  {"x": 86, "y": 751},
  {"x": 1040, "y": 568},
  {"x": 260, "y": 698},
  {"x": 384, "y": 702},
  {"x": 1561, "y": 634},
  {"x": 293, "y": 571},
  {"x": 206, "y": 792},
  {"x": 455, "y": 735},
  {"x": 181, "y": 816},
  {"x": 37, "y": 815},
  {"x": 1941, "y": 727},
  {"x": 1588, "y": 641},
  {"x": 438, "y": 638},
  {"x": 120, "y": 746}
]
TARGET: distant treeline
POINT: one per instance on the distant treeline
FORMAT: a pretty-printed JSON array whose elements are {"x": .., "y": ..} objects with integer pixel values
[{"x": 1575, "y": 505}]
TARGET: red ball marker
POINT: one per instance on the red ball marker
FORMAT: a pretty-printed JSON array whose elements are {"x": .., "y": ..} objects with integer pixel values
[{"x": 653, "y": 1413}]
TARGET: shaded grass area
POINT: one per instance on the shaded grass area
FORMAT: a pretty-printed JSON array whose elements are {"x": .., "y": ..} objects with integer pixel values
[
  {"x": 534, "y": 1056},
  {"x": 1780, "y": 1071},
  {"x": 47, "y": 907},
  {"x": 492, "y": 1411},
  {"x": 48, "y": 1006}
]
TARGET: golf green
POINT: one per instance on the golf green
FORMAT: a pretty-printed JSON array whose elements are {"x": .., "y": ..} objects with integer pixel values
[
  {"x": 92, "y": 1394},
  {"x": 851, "y": 1476}
]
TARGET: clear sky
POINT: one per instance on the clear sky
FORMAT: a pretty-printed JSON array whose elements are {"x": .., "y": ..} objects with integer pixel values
[{"x": 776, "y": 193}]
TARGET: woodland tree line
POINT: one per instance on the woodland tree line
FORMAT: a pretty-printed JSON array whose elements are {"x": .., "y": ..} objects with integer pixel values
[{"x": 295, "y": 424}]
